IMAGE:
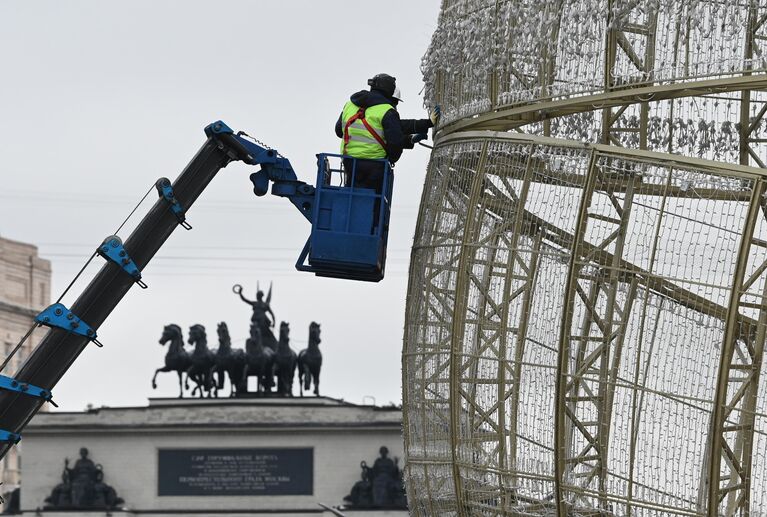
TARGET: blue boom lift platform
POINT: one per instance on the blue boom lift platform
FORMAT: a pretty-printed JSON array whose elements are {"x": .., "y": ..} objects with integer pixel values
[{"x": 350, "y": 227}]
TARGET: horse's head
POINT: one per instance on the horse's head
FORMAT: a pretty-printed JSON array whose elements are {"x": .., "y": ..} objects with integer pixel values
[
  {"x": 254, "y": 342},
  {"x": 314, "y": 333},
  {"x": 170, "y": 332},
  {"x": 284, "y": 331},
  {"x": 197, "y": 334},
  {"x": 223, "y": 334}
]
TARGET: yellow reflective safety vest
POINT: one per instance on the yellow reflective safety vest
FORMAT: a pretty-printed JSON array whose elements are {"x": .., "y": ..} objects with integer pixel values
[{"x": 363, "y": 131}]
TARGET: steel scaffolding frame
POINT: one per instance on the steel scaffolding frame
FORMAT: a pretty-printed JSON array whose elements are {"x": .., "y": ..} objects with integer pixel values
[
  {"x": 597, "y": 338},
  {"x": 541, "y": 270}
]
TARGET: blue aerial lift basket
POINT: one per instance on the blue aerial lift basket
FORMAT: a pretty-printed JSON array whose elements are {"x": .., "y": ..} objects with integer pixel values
[{"x": 350, "y": 224}]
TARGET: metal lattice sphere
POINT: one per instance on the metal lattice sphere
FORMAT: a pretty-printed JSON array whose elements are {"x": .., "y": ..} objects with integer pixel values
[{"x": 587, "y": 307}]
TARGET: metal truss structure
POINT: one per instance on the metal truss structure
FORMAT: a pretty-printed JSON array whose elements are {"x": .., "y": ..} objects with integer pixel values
[{"x": 587, "y": 305}]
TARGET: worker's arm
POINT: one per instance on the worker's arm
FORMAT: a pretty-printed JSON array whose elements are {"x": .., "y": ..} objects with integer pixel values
[
  {"x": 415, "y": 126},
  {"x": 339, "y": 129},
  {"x": 396, "y": 139}
]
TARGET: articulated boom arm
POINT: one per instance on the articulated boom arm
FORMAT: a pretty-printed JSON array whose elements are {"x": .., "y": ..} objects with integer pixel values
[
  {"x": 72, "y": 329},
  {"x": 274, "y": 168}
]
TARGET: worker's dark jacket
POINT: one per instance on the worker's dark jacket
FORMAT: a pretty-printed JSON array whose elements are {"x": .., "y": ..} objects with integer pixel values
[{"x": 396, "y": 131}]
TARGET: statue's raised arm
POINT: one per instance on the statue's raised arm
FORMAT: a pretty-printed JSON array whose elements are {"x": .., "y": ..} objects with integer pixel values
[{"x": 237, "y": 289}]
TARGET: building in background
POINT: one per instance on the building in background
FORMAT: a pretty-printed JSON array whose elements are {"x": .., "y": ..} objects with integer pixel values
[
  {"x": 25, "y": 289},
  {"x": 251, "y": 456}
]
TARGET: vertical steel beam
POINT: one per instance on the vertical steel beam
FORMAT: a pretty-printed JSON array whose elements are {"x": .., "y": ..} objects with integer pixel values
[
  {"x": 514, "y": 256},
  {"x": 746, "y": 427},
  {"x": 756, "y": 20},
  {"x": 608, "y": 377},
  {"x": 548, "y": 65},
  {"x": 719, "y": 434},
  {"x": 618, "y": 44},
  {"x": 637, "y": 398},
  {"x": 745, "y": 95},
  {"x": 560, "y": 417},
  {"x": 611, "y": 52},
  {"x": 458, "y": 325},
  {"x": 590, "y": 378},
  {"x": 408, "y": 340}
]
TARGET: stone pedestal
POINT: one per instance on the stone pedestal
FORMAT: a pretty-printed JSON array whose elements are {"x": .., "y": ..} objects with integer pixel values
[{"x": 214, "y": 457}]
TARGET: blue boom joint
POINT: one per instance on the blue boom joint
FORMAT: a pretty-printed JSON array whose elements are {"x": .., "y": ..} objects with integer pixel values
[
  {"x": 165, "y": 190},
  {"x": 9, "y": 437},
  {"x": 58, "y": 316},
  {"x": 11, "y": 384},
  {"x": 112, "y": 249}
]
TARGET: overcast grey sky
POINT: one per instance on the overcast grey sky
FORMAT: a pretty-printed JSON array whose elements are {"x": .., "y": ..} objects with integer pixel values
[{"x": 99, "y": 99}]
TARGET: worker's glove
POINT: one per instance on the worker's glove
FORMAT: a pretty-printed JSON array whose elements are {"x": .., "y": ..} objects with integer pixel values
[
  {"x": 435, "y": 114},
  {"x": 414, "y": 139}
]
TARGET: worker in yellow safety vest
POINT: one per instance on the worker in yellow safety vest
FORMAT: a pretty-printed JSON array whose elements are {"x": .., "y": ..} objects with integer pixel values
[{"x": 370, "y": 129}]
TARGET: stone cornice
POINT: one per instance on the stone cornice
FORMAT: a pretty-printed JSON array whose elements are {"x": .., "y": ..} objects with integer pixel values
[{"x": 23, "y": 311}]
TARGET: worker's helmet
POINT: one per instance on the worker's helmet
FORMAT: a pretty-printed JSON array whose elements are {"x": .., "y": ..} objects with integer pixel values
[
  {"x": 384, "y": 83},
  {"x": 397, "y": 94}
]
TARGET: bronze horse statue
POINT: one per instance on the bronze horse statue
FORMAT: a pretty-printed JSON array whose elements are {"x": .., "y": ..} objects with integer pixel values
[
  {"x": 285, "y": 362},
  {"x": 310, "y": 362},
  {"x": 202, "y": 362},
  {"x": 228, "y": 361},
  {"x": 177, "y": 359},
  {"x": 259, "y": 361}
]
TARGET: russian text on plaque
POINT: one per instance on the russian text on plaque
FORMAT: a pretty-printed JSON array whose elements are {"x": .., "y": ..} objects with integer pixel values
[{"x": 221, "y": 472}]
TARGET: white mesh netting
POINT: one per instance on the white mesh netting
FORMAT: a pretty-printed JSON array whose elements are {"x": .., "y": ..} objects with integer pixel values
[{"x": 586, "y": 313}]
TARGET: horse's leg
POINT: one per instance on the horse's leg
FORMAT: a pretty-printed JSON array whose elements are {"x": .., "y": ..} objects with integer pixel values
[
  {"x": 193, "y": 374},
  {"x": 210, "y": 383},
  {"x": 244, "y": 378},
  {"x": 180, "y": 384},
  {"x": 316, "y": 376},
  {"x": 213, "y": 390},
  {"x": 190, "y": 375},
  {"x": 201, "y": 384},
  {"x": 154, "y": 379},
  {"x": 236, "y": 381},
  {"x": 231, "y": 383},
  {"x": 194, "y": 388},
  {"x": 300, "y": 379}
]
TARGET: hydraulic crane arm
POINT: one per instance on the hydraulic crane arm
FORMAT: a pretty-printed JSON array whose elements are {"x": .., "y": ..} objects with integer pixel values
[{"x": 33, "y": 382}]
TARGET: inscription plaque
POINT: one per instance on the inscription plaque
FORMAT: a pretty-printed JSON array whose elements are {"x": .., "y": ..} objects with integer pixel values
[{"x": 272, "y": 471}]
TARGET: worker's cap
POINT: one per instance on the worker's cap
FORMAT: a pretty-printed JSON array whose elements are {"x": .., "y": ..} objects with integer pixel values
[
  {"x": 397, "y": 94},
  {"x": 384, "y": 83}
]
